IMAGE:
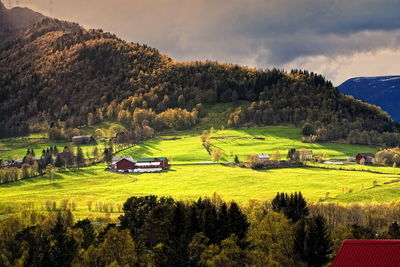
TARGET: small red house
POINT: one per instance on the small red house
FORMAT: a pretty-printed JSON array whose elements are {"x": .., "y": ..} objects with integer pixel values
[
  {"x": 368, "y": 157},
  {"x": 123, "y": 163},
  {"x": 368, "y": 253}
]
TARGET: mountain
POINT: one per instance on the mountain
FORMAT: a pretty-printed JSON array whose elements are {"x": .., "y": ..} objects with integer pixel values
[
  {"x": 57, "y": 73},
  {"x": 383, "y": 91},
  {"x": 14, "y": 21}
]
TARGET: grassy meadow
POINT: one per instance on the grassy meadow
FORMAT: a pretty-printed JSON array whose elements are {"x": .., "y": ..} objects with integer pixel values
[
  {"x": 187, "y": 147},
  {"x": 15, "y": 148},
  {"x": 188, "y": 182}
]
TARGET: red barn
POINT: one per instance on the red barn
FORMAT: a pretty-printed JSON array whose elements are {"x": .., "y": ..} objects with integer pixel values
[
  {"x": 123, "y": 163},
  {"x": 368, "y": 253}
]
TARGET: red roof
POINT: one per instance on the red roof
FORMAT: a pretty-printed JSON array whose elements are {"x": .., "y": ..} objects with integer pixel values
[{"x": 368, "y": 253}]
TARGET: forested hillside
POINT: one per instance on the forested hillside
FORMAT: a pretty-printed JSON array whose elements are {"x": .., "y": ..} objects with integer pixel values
[{"x": 58, "y": 74}]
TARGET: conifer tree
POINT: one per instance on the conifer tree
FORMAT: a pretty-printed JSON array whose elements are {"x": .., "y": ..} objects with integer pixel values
[{"x": 80, "y": 158}]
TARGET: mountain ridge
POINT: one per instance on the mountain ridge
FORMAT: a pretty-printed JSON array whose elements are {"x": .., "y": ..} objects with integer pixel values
[
  {"x": 383, "y": 91},
  {"x": 14, "y": 21}
]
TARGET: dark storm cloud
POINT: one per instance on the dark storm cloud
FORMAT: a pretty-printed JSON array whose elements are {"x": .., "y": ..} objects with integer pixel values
[{"x": 255, "y": 32}]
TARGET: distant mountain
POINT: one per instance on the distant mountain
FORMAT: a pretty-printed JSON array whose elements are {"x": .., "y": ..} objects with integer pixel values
[
  {"x": 14, "y": 21},
  {"x": 382, "y": 91}
]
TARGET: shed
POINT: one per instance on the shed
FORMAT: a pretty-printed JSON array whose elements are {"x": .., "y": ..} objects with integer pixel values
[
  {"x": 83, "y": 139},
  {"x": 368, "y": 253}
]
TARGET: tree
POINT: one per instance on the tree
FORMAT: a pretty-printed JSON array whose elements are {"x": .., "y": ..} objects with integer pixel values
[
  {"x": 63, "y": 248},
  {"x": 229, "y": 254},
  {"x": 88, "y": 232},
  {"x": 96, "y": 154},
  {"x": 312, "y": 242},
  {"x": 50, "y": 172},
  {"x": 276, "y": 155},
  {"x": 80, "y": 158},
  {"x": 99, "y": 133},
  {"x": 90, "y": 119},
  {"x": 108, "y": 153},
  {"x": 238, "y": 224},
  {"x": 118, "y": 247},
  {"x": 59, "y": 163},
  {"x": 294, "y": 206},
  {"x": 394, "y": 231},
  {"x": 217, "y": 154},
  {"x": 308, "y": 129}
]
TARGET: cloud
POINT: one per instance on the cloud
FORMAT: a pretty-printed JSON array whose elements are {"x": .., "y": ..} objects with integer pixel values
[{"x": 259, "y": 33}]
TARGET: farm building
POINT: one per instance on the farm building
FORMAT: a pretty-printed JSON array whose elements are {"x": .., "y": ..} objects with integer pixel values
[
  {"x": 83, "y": 139},
  {"x": 304, "y": 155},
  {"x": 368, "y": 253},
  {"x": 263, "y": 158},
  {"x": 127, "y": 164},
  {"x": 368, "y": 157},
  {"x": 300, "y": 155},
  {"x": 163, "y": 161},
  {"x": 123, "y": 163},
  {"x": 148, "y": 167}
]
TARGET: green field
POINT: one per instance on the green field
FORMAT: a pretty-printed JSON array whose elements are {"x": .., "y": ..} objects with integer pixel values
[
  {"x": 241, "y": 142},
  {"x": 15, "y": 148},
  {"x": 188, "y": 182}
]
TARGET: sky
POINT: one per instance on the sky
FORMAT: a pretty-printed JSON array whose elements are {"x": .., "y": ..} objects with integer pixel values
[{"x": 339, "y": 39}]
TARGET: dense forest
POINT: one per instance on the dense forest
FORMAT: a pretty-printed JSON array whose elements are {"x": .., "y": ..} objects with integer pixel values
[
  {"x": 153, "y": 231},
  {"x": 58, "y": 74}
]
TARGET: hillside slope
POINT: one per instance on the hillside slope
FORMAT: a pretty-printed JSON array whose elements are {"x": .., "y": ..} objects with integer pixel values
[
  {"x": 382, "y": 91},
  {"x": 57, "y": 73},
  {"x": 14, "y": 21}
]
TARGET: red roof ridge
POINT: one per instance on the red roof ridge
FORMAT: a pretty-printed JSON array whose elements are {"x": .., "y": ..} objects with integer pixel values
[{"x": 371, "y": 241}]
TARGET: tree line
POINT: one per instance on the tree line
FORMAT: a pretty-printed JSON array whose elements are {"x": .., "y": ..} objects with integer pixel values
[{"x": 159, "y": 231}]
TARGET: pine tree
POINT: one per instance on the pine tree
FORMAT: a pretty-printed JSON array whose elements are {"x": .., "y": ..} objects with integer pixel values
[
  {"x": 80, "y": 158},
  {"x": 238, "y": 224},
  {"x": 312, "y": 242},
  {"x": 88, "y": 232},
  {"x": 394, "y": 231},
  {"x": 63, "y": 248},
  {"x": 59, "y": 163},
  {"x": 294, "y": 206}
]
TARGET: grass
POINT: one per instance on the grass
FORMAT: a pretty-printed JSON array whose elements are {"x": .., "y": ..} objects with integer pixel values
[
  {"x": 185, "y": 149},
  {"x": 278, "y": 138},
  {"x": 12, "y": 148},
  {"x": 190, "y": 182},
  {"x": 357, "y": 167},
  {"x": 188, "y": 148}
]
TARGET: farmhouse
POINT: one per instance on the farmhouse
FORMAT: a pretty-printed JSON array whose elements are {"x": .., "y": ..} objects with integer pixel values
[
  {"x": 122, "y": 164},
  {"x": 368, "y": 157},
  {"x": 127, "y": 164},
  {"x": 162, "y": 160},
  {"x": 368, "y": 253},
  {"x": 263, "y": 158},
  {"x": 83, "y": 139}
]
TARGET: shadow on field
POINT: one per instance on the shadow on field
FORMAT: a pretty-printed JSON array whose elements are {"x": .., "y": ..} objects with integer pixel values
[{"x": 143, "y": 148}]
